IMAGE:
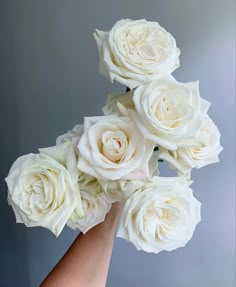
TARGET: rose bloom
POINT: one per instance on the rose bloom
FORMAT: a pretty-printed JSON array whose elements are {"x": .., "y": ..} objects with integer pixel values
[
  {"x": 95, "y": 209},
  {"x": 112, "y": 148},
  {"x": 121, "y": 190},
  {"x": 72, "y": 136},
  {"x": 203, "y": 149},
  {"x": 94, "y": 202},
  {"x": 136, "y": 52},
  {"x": 117, "y": 102},
  {"x": 41, "y": 189},
  {"x": 168, "y": 112},
  {"x": 162, "y": 215}
]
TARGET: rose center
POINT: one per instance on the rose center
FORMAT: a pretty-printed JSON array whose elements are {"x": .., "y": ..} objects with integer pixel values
[
  {"x": 114, "y": 145},
  {"x": 173, "y": 110}
]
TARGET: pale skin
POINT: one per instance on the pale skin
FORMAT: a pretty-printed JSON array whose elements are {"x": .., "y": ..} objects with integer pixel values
[{"x": 86, "y": 262}]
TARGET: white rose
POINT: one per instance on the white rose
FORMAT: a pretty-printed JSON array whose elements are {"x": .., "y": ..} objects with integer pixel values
[
  {"x": 72, "y": 136},
  {"x": 90, "y": 182},
  {"x": 41, "y": 189},
  {"x": 136, "y": 52},
  {"x": 160, "y": 216},
  {"x": 119, "y": 190},
  {"x": 203, "y": 150},
  {"x": 116, "y": 102},
  {"x": 95, "y": 209},
  {"x": 112, "y": 148},
  {"x": 168, "y": 112},
  {"x": 94, "y": 201}
]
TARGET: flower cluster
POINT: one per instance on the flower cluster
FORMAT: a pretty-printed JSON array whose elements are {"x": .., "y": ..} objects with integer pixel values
[{"x": 115, "y": 157}]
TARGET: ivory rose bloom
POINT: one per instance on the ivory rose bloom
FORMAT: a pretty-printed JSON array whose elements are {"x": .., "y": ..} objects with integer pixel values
[
  {"x": 112, "y": 148},
  {"x": 116, "y": 102},
  {"x": 41, "y": 189},
  {"x": 121, "y": 190},
  {"x": 168, "y": 112},
  {"x": 72, "y": 136},
  {"x": 203, "y": 150},
  {"x": 89, "y": 182},
  {"x": 136, "y": 52},
  {"x": 95, "y": 209},
  {"x": 94, "y": 201},
  {"x": 160, "y": 216}
]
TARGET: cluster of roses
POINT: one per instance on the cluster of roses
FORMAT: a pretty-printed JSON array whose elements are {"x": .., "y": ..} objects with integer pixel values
[{"x": 115, "y": 157}]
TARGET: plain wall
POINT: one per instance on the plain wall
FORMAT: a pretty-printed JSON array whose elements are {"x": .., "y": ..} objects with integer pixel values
[{"x": 49, "y": 81}]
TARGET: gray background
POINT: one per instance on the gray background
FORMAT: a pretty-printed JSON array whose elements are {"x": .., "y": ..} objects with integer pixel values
[{"x": 49, "y": 81}]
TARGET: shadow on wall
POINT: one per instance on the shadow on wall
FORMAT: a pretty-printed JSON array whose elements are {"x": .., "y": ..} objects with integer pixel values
[{"x": 13, "y": 237}]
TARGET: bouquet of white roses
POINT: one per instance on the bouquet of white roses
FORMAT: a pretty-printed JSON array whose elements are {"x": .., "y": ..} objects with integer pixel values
[{"x": 115, "y": 157}]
